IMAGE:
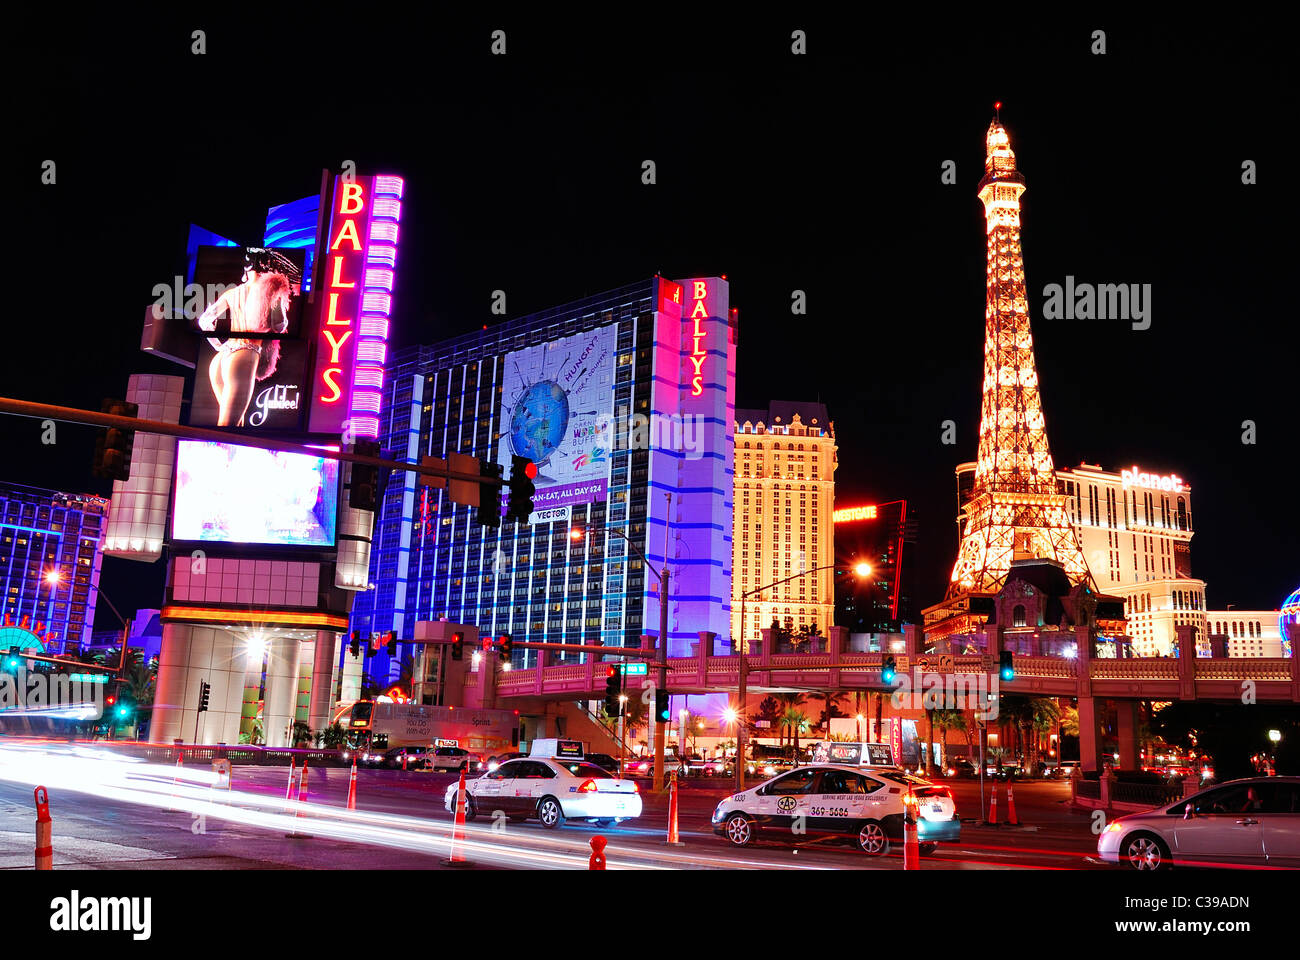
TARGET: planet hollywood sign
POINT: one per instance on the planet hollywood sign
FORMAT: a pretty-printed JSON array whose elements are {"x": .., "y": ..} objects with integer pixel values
[{"x": 1172, "y": 483}]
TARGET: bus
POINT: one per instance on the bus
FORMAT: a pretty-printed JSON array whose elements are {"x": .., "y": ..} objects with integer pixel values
[{"x": 379, "y": 725}]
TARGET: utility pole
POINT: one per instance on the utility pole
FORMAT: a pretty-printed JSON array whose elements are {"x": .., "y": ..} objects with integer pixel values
[{"x": 661, "y": 729}]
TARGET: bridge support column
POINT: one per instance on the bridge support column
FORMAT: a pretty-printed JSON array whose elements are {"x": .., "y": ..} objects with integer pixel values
[
  {"x": 1126, "y": 730},
  {"x": 1089, "y": 741},
  {"x": 281, "y": 701},
  {"x": 322, "y": 679}
]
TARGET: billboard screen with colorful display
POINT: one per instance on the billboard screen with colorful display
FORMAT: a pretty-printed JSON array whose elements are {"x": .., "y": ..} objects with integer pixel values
[
  {"x": 557, "y": 411},
  {"x": 227, "y": 493}
]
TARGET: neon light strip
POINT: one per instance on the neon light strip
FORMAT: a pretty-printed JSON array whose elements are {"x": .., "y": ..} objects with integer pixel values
[
  {"x": 376, "y": 304},
  {"x": 208, "y": 615}
]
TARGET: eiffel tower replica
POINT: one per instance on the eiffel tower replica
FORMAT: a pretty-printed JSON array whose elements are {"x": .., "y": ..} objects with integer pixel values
[{"x": 1016, "y": 511}]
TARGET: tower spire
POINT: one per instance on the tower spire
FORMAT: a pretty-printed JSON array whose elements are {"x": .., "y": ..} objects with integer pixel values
[{"x": 1015, "y": 511}]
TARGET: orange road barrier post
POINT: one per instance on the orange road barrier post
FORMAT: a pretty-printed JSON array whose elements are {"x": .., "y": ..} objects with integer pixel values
[
  {"x": 911, "y": 844},
  {"x": 288, "y": 791},
  {"x": 457, "y": 856},
  {"x": 302, "y": 798},
  {"x": 352, "y": 786},
  {"x": 597, "y": 861},
  {"x": 992, "y": 820},
  {"x": 44, "y": 831},
  {"x": 176, "y": 777},
  {"x": 1011, "y": 806},
  {"x": 672, "y": 811}
]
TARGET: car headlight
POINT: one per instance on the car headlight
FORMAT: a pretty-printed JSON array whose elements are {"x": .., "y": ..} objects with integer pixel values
[{"x": 1114, "y": 827}]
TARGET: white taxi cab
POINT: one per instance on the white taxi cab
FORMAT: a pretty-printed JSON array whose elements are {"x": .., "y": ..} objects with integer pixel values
[
  {"x": 863, "y": 804},
  {"x": 550, "y": 788}
]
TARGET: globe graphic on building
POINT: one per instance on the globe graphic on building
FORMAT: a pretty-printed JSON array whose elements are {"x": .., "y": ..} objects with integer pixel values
[{"x": 538, "y": 423}]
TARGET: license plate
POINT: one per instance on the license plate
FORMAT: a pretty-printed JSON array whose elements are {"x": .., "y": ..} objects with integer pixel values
[
  {"x": 936, "y": 807},
  {"x": 619, "y": 804}
]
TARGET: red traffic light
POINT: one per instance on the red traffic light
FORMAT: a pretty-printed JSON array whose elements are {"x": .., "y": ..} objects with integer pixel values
[
  {"x": 530, "y": 470},
  {"x": 611, "y": 671}
]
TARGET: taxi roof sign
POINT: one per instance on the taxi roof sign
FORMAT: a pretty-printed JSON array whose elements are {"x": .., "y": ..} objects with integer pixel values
[
  {"x": 853, "y": 753},
  {"x": 558, "y": 749}
]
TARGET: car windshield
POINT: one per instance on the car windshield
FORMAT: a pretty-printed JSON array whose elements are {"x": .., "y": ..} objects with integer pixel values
[
  {"x": 580, "y": 769},
  {"x": 904, "y": 778}
]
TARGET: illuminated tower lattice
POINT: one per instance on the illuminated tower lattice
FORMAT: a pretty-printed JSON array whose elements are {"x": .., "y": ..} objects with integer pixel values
[{"x": 1015, "y": 511}]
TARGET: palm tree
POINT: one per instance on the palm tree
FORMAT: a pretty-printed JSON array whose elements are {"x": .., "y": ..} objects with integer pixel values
[
  {"x": 831, "y": 701},
  {"x": 785, "y": 702},
  {"x": 794, "y": 720}
]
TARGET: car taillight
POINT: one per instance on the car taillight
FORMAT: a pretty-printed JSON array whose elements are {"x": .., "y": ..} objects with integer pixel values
[
  {"x": 588, "y": 786},
  {"x": 635, "y": 788}
]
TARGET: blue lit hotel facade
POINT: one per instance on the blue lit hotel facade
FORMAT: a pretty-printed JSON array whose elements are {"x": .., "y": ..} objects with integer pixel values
[{"x": 565, "y": 388}]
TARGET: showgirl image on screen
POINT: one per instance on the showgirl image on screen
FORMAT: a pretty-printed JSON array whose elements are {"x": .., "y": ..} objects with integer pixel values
[
  {"x": 258, "y": 305},
  {"x": 231, "y": 494}
]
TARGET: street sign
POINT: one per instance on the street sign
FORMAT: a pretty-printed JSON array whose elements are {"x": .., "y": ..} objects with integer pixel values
[
  {"x": 988, "y": 662},
  {"x": 635, "y": 669},
  {"x": 902, "y": 665},
  {"x": 937, "y": 662}
]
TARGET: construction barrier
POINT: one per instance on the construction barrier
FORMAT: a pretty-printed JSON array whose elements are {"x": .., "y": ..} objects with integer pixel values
[
  {"x": 597, "y": 861},
  {"x": 352, "y": 786},
  {"x": 44, "y": 831},
  {"x": 993, "y": 807},
  {"x": 1011, "y": 806}
]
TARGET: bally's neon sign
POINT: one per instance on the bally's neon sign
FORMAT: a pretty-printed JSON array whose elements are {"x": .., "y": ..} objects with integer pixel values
[
  {"x": 1154, "y": 481},
  {"x": 345, "y": 257},
  {"x": 700, "y": 290}
]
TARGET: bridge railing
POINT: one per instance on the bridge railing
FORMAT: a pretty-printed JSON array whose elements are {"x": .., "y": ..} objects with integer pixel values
[
  {"x": 1143, "y": 668},
  {"x": 1244, "y": 668}
]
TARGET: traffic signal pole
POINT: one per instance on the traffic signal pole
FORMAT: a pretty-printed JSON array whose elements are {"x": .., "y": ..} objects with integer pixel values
[
  {"x": 46, "y": 411},
  {"x": 661, "y": 676}
]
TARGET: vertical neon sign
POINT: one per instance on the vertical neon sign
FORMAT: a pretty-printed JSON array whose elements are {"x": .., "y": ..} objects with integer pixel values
[
  {"x": 699, "y": 290},
  {"x": 356, "y": 298}
]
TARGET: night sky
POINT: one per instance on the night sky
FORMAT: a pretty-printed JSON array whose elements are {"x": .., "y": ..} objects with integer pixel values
[{"x": 819, "y": 173}]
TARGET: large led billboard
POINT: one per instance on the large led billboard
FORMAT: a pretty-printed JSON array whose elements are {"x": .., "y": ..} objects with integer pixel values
[
  {"x": 252, "y": 364},
  {"x": 226, "y": 493},
  {"x": 557, "y": 410}
]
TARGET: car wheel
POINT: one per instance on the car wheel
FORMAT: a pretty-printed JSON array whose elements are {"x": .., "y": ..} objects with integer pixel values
[
  {"x": 927, "y": 849},
  {"x": 872, "y": 839},
  {"x": 1146, "y": 852},
  {"x": 739, "y": 830},
  {"x": 470, "y": 812},
  {"x": 550, "y": 813}
]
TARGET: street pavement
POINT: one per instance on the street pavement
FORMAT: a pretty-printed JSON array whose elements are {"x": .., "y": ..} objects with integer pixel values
[{"x": 400, "y": 818}]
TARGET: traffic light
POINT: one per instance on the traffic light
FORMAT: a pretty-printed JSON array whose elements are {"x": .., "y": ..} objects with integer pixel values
[
  {"x": 113, "y": 445},
  {"x": 505, "y": 644},
  {"x": 613, "y": 691},
  {"x": 889, "y": 670},
  {"x": 205, "y": 689},
  {"x": 363, "y": 491},
  {"x": 392, "y": 643},
  {"x": 520, "y": 505},
  {"x": 662, "y": 710},
  {"x": 458, "y": 646},
  {"x": 355, "y": 646},
  {"x": 488, "y": 513},
  {"x": 1007, "y": 669}
]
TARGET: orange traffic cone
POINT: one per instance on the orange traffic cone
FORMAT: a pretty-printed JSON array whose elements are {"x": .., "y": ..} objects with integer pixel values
[
  {"x": 352, "y": 786},
  {"x": 45, "y": 830},
  {"x": 1011, "y": 806},
  {"x": 993, "y": 808},
  {"x": 672, "y": 811},
  {"x": 302, "y": 798},
  {"x": 457, "y": 858}
]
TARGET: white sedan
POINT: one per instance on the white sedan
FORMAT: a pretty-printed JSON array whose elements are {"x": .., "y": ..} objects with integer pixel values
[
  {"x": 549, "y": 790},
  {"x": 862, "y": 804},
  {"x": 1252, "y": 822}
]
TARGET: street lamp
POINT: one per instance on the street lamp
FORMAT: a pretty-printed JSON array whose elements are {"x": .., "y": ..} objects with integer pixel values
[{"x": 739, "y": 646}]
